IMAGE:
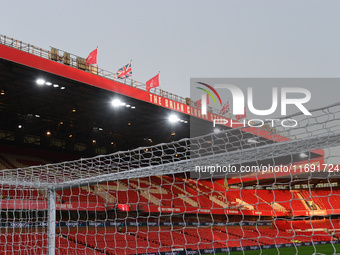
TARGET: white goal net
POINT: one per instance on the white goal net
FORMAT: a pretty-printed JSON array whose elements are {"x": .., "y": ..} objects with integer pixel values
[{"x": 236, "y": 190}]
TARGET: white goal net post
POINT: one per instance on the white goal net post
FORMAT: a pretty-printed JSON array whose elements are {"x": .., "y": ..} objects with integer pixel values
[{"x": 52, "y": 207}]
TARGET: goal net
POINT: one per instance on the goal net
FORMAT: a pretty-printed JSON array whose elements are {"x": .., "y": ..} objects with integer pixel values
[{"x": 247, "y": 188}]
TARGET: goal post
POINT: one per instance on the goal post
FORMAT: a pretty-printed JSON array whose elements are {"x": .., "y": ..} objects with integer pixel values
[{"x": 51, "y": 220}]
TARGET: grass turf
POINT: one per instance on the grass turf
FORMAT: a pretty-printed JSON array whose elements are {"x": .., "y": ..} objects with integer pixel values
[{"x": 326, "y": 249}]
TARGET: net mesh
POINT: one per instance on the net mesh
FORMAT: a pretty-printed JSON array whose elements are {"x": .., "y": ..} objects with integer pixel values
[{"x": 239, "y": 189}]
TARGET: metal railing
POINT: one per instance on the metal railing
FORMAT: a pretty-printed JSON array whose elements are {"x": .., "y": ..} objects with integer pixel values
[{"x": 72, "y": 60}]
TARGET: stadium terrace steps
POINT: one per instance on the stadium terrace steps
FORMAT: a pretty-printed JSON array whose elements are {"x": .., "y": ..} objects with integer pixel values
[
  {"x": 304, "y": 201},
  {"x": 102, "y": 192},
  {"x": 204, "y": 198},
  {"x": 321, "y": 198},
  {"x": 169, "y": 196},
  {"x": 145, "y": 188},
  {"x": 179, "y": 189}
]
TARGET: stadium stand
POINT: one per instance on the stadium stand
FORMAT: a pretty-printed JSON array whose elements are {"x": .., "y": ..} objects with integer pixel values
[{"x": 160, "y": 211}]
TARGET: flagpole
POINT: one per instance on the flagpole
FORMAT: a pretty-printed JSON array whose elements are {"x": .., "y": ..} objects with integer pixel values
[
  {"x": 159, "y": 79},
  {"x": 159, "y": 82},
  {"x": 97, "y": 55},
  {"x": 131, "y": 67}
]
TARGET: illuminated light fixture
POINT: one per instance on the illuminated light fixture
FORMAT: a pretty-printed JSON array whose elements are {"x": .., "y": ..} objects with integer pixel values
[
  {"x": 303, "y": 155},
  {"x": 74, "y": 110},
  {"x": 173, "y": 118},
  {"x": 70, "y": 136},
  {"x": 217, "y": 130},
  {"x": 48, "y": 83},
  {"x": 61, "y": 123},
  {"x": 185, "y": 121},
  {"x": 20, "y": 126},
  {"x": 37, "y": 116},
  {"x": 117, "y": 103},
  {"x": 252, "y": 141},
  {"x": 133, "y": 107},
  {"x": 112, "y": 143},
  {"x": 173, "y": 133},
  {"x": 2, "y": 92},
  {"x": 94, "y": 141},
  {"x": 100, "y": 129},
  {"x": 40, "y": 82},
  {"x": 148, "y": 139},
  {"x": 55, "y": 85},
  {"x": 129, "y": 123},
  {"x": 62, "y": 88},
  {"x": 128, "y": 105},
  {"x": 146, "y": 149},
  {"x": 48, "y": 133}
]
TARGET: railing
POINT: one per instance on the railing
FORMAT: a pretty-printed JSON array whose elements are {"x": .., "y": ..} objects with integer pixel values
[{"x": 76, "y": 62}]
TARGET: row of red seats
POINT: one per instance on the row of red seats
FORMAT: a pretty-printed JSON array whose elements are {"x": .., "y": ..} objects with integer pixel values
[{"x": 33, "y": 243}]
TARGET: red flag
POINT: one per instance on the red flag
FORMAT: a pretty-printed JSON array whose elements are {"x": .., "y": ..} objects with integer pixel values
[
  {"x": 241, "y": 116},
  {"x": 199, "y": 102},
  {"x": 152, "y": 83},
  {"x": 92, "y": 58}
]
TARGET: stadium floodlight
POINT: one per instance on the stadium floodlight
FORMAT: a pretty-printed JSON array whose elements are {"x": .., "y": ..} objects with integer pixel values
[
  {"x": 48, "y": 83},
  {"x": 173, "y": 118},
  {"x": 217, "y": 130},
  {"x": 303, "y": 155},
  {"x": 251, "y": 140},
  {"x": 62, "y": 88},
  {"x": 116, "y": 103},
  {"x": 55, "y": 85},
  {"x": 40, "y": 82}
]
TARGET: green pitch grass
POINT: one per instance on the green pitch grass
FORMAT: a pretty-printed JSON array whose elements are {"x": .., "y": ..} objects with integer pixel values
[{"x": 326, "y": 249}]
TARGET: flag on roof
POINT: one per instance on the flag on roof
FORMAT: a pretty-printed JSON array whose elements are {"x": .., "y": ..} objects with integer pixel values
[
  {"x": 92, "y": 58},
  {"x": 125, "y": 71},
  {"x": 152, "y": 83}
]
